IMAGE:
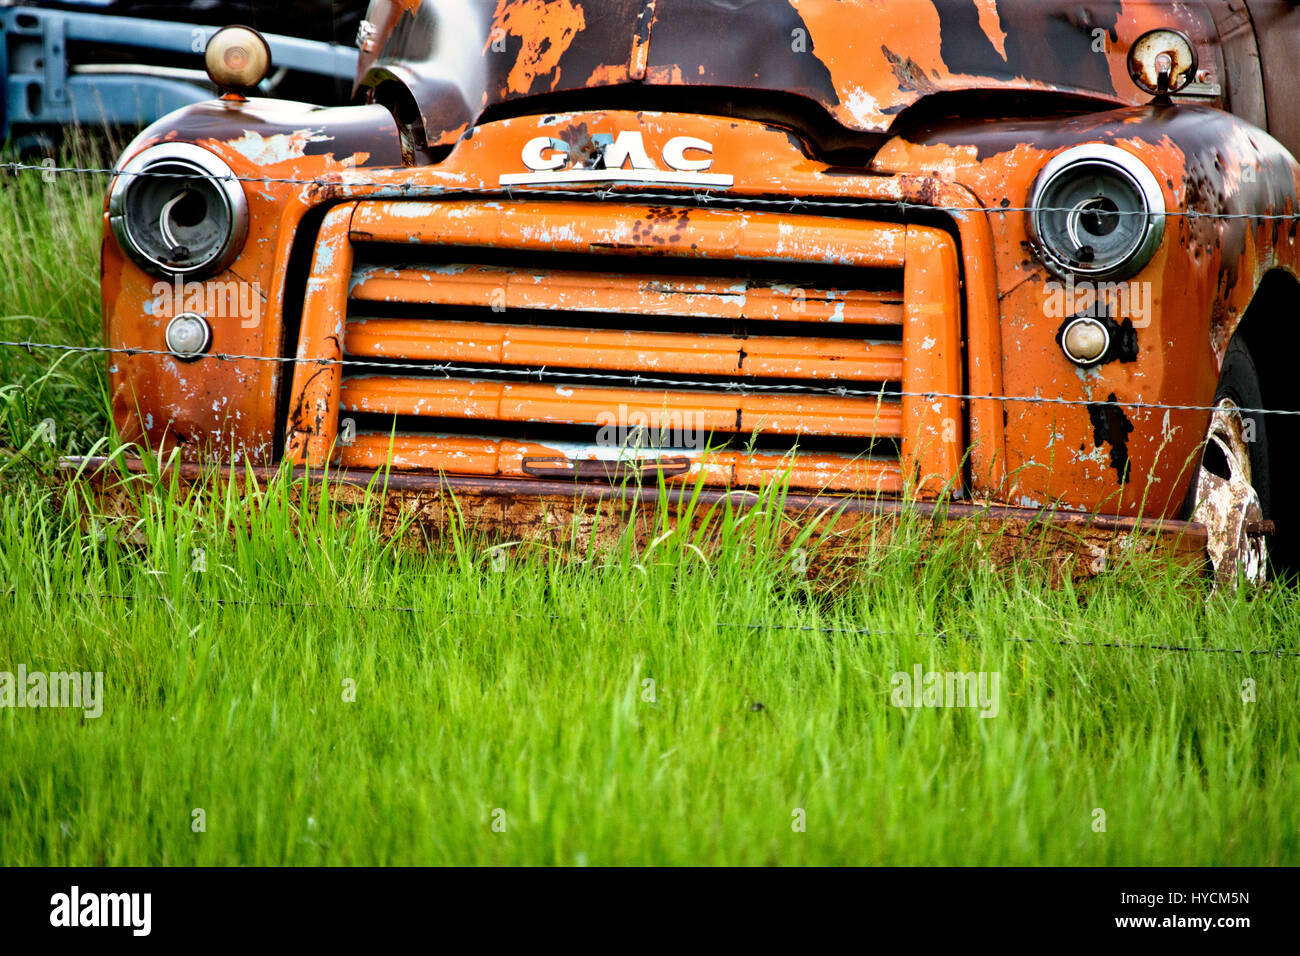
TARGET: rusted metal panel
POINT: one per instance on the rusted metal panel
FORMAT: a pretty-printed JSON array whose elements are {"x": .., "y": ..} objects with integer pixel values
[
  {"x": 1181, "y": 309},
  {"x": 1243, "y": 79},
  {"x": 1277, "y": 31},
  {"x": 225, "y": 409}
]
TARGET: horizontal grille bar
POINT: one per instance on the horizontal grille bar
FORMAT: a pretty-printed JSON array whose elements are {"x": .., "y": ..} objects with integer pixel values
[
  {"x": 581, "y": 227},
  {"x": 763, "y": 357},
  {"x": 497, "y": 401},
  {"x": 504, "y": 288},
  {"x": 505, "y": 458}
]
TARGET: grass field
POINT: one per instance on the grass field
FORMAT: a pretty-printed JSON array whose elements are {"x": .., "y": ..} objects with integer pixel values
[{"x": 309, "y": 694}]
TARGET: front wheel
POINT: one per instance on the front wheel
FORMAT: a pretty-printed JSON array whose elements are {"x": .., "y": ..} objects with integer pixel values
[{"x": 1232, "y": 485}]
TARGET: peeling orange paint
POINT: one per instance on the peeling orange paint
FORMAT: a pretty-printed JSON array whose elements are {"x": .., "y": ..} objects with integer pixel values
[
  {"x": 991, "y": 24},
  {"x": 546, "y": 29}
]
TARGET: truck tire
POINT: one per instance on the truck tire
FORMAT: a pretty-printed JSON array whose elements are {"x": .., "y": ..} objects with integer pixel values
[{"x": 1231, "y": 493}]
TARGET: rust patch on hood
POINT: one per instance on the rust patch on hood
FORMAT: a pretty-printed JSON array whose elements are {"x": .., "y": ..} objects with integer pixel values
[
  {"x": 544, "y": 30},
  {"x": 863, "y": 61}
]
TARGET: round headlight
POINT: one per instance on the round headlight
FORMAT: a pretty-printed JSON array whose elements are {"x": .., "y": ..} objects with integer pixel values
[
  {"x": 1097, "y": 212},
  {"x": 177, "y": 209}
]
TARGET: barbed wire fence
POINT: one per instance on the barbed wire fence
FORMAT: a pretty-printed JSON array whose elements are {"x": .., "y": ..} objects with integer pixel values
[
  {"x": 543, "y": 374},
  {"x": 941, "y": 636},
  {"x": 411, "y": 190},
  {"x": 447, "y": 369}
]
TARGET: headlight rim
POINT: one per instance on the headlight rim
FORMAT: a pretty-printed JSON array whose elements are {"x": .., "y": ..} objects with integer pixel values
[
  {"x": 1144, "y": 182},
  {"x": 206, "y": 165}
]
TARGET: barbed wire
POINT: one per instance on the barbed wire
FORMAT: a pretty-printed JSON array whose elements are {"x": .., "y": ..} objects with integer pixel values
[
  {"x": 701, "y": 194},
  {"x": 1277, "y": 652},
  {"x": 631, "y": 379},
  {"x": 943, "y": 636},
  {"x": 635, "y": 379},
  {"x": 411, "y": 190},
  {"x": 971, "y": 636}
]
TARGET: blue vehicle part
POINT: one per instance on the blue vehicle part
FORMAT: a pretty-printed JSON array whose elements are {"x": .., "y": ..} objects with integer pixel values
[{"x": 43, "y": 92}]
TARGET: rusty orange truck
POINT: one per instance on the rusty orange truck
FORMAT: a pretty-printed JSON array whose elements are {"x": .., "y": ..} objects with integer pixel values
[{"x": 1031, "y": 259}]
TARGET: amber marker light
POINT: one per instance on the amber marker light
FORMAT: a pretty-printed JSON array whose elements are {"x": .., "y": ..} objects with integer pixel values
[
  {"x": 188, "y": 336},
  {"x": 237, "y": 58},
  {"x": 1162, "y": 62},
  {"x": 1085, "y": 341}
]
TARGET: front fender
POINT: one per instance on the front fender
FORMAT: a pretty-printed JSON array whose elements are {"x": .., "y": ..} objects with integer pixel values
[
  {"x": 1216, "y": 173},
  {"x": 289, "y": 152}
]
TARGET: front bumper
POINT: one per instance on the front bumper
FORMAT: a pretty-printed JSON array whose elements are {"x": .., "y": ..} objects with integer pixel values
[{"x": 583, "y": 516}]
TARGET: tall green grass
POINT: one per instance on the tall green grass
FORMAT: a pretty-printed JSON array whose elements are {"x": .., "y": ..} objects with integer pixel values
[
  {"x": 618, "y": 707},
  {"x": 696, "y": 699},
  {"x": 49, "y": 293}
]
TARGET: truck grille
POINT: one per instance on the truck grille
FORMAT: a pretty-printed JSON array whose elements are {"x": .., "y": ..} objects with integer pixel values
[{"x": 519, "y": 338}]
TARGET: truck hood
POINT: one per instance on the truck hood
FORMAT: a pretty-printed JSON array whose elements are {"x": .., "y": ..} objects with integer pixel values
[{"x": 863, "y": 61}]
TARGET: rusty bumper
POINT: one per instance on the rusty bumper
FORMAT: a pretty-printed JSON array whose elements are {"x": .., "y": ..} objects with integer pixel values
[{"x": 425, "y": 508}]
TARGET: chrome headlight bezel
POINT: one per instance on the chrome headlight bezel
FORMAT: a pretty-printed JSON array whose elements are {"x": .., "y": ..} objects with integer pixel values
[
  {"x": 219, "y": 186},
  {"x": 1127, "y": 173}
]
